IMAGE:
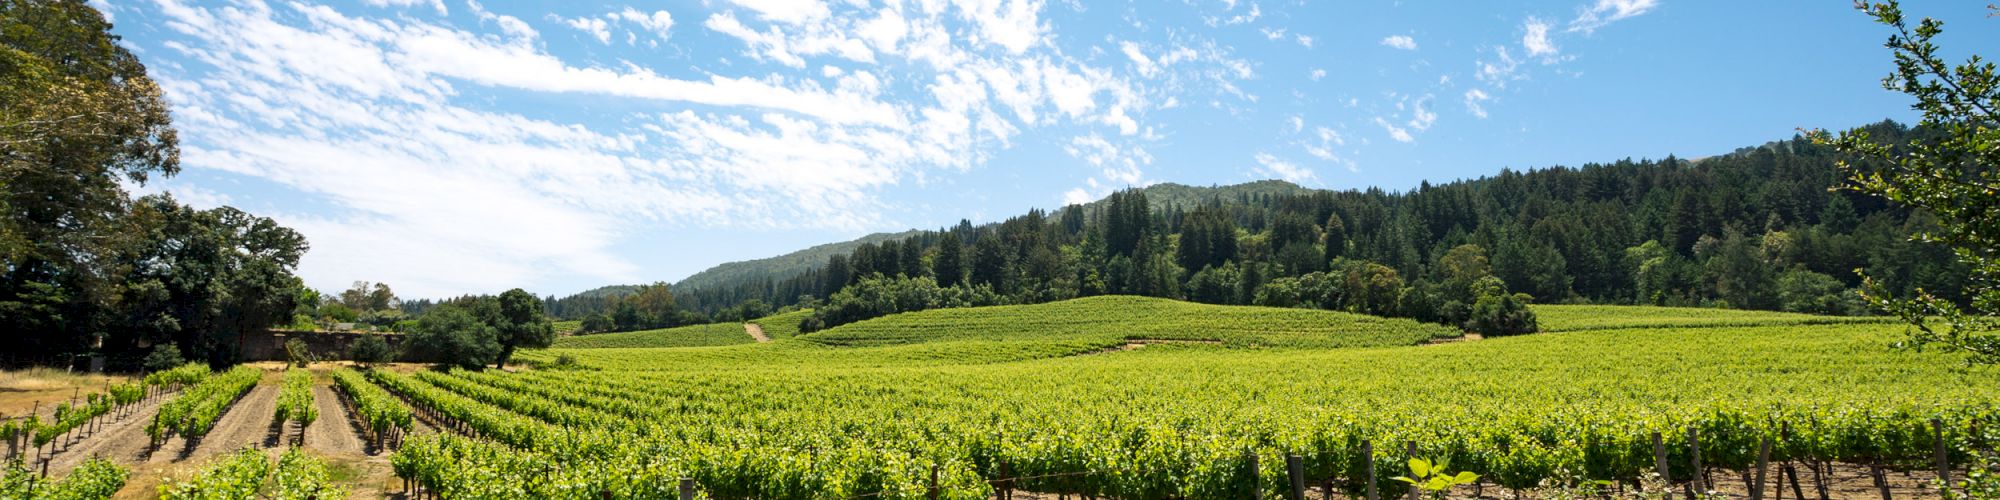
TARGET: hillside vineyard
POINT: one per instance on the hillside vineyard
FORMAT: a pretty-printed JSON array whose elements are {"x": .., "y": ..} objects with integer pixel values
[{"x": 1053, "y": 412}]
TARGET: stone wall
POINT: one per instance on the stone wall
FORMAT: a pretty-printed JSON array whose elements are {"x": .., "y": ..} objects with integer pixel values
[{"x": 325, "y": 346}]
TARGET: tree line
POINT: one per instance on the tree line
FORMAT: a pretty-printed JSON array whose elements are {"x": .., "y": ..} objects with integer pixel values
[
  {"x": 1758, "y": 228},
  {"x": 86, "y": 267}
]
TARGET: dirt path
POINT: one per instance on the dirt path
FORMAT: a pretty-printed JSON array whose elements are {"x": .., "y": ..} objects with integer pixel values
[
  {"x": 756, "y": 332},
  {"x": 122, "y": 441},
  {"x": 247, "y": 423},
  {"x": 333, "y": 433}
]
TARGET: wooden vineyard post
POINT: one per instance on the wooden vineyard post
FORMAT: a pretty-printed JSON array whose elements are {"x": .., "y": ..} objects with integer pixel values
[
  {"x": 1256, "y": 476},
  {"x": 1006, "y": 482},
  {"x": 1295, "y": 467},
  {"x": 687, "y": 488},
  {"x": 1943, "y": 457},
  {"x": 1660, "y": 459},
  {"x": 934, "y": 482},
  {"x": 1368, "y": 452},
  {"x": 1698, "y": 484},
  {"x": 1763, "y": 461},
  {"x": 1881, "y": 480},
  {"x": 1410, "y": 448}
]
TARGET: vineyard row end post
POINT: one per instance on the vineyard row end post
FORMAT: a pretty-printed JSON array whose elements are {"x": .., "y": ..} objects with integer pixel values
[
  {"x": 1368, "y": 452},
  {"x": 1295, "y": 468}
]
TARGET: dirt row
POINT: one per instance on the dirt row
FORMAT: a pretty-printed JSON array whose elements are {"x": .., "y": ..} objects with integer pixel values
[{"x": 335, "y": 436}]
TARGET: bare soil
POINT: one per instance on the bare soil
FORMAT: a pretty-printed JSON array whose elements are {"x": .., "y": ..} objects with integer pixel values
[
  {"x": 121, "y": 440},
  {"x": 334, "y": 433},
  {"x": 246, "y": 424},
  {"x": 756, "y": 332}
]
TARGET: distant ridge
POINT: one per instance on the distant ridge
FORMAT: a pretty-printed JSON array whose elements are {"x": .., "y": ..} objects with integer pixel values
[
  {"x": 783, "y": 265},
  {"x": 1161, "y": 195}
]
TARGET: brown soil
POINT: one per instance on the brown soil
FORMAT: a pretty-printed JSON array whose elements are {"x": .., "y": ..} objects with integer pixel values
[
  {"x": 334, "y": 432},
  {"x": 1468, "y": 337},
  {"x": 756, "y": 332},
  {"x": 121, "y": 440},
  {"x": 1136, "y": 344},
  {"x": 246, "y": 424}
]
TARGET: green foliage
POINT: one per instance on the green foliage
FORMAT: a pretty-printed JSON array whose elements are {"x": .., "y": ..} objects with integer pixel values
[
  {"x": 185, "y": 374},
  {"x": 521, "y": 324},
  {"x": 1502, "y": 314},
  {"x": 973, "y": 391},
  {"x": 94, "y": 479},
  {"x": 371, "y": 349},
  {"x": 301, "y": 477},
  {"x": 378, "y": 409},
  {"x": 297, "y": 353},
  {"x": 783, "y": 325},
  {"x": 166, "y": 357},
  {"x": 194, "y": 412},
  {"x": 295, "y": 398},
  {"x": 875, "y": 296},
  {"x": 1435, "y": 480},
  {"x": 249, "y": 474},
  {"x": 1111, "y": 320},
  {"x": 81, "y": 117},
  {"x": 686, "y": 336},
  {"x": 450, "y": 334},
  {"x": 1569, "y": 318},
  {"x": 1949, "y": 171},
  {"x": 236, "y": 476}
]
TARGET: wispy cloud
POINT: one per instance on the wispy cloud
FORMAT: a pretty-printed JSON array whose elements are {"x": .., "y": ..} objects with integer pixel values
[
  {"x": 1272, "y": 166},
  {"x": 1395, "y": 132},
  {"x": 1604, "y": 12},
  {"x": 387, "y": 119},
  {"x": 1535, "y": 38},
  {"x": 1475, "y": 102},
  {"x": 1401, "y": 42}
]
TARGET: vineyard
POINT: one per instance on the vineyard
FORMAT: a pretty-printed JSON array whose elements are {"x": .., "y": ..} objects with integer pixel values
[
  {"x": 1115, "y": 397},
  {"x": 962, "y": 402},
  {"x": 687, "y": 336},
  {"x": 295, "y": 400}
]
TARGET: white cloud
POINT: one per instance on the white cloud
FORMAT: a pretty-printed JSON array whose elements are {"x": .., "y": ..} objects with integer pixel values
[
  {"x": 1395, "y": 132},
  {"x": 659, "y": 23},
  {"x": 597, "y": 28},
  {"x": 1144, "y": 64},
  {"x": 1499, "y": 71},
  {"x": 1318, "y": 74},
  {"x": 1421, "y": 117},
  {"x": 1475, "y": 102},
  {"x": 1401, "y": 42},
  {"x": 1536, "y": 39},
  {"x": 786, "y": 11},
  {"x": 389, "y": 121},
  {"x": 1304, "y": 40},
  {"x": 1275, "y": 167},
  {"x": 435, "y": 4},
  {"x": 1604, "y": 12}
]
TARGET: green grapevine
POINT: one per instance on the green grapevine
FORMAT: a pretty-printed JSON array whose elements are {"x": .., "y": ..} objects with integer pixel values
[
  {"x": 194, "y": 411},
  {"x": 379, "y": 410},
  {"x": 295, "y": 398}
]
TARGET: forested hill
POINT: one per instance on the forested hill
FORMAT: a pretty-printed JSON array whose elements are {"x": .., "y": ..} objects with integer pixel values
[
  {"x": 1758, "y": 228},
  {"x": 734, "y": 273}
]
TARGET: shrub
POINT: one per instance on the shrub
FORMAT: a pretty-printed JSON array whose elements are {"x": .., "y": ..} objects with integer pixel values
[
  {"x": 1502, "y": 314},
  {"x": 297, "y": 353},
  {"x": 164, "y": 357},
  {"x": 371, "y": 349}
]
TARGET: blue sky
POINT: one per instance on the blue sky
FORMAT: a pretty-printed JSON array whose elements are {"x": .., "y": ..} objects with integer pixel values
[{"x": 454, "y": 146}]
